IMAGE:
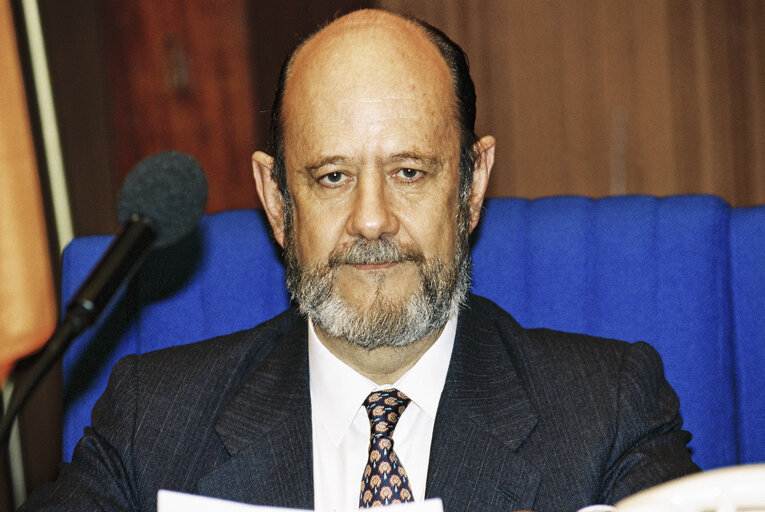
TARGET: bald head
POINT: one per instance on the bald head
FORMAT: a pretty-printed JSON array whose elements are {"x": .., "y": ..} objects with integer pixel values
[
  {"x": 379, "y": 29},
  {"x": 374, "y": 48},
  {"x": 369, "y": 70},
  {"x": 364, "y": 49}
]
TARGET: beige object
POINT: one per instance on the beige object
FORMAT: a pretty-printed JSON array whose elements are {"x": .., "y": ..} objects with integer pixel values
[
  {"x": 730, "y": 489},
  {"x": 27, "y": 298}
]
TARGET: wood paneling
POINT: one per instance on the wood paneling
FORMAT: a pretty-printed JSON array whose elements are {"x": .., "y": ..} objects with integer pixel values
[
  {"x": 180, "y": 78},
  {"x": 132, "y": 78},
  {"x": 600, "y": 97},
  {"x": 73, "y": 33}
]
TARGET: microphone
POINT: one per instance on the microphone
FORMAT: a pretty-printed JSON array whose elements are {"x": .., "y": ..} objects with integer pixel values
[{"x": 160, "y": 202}]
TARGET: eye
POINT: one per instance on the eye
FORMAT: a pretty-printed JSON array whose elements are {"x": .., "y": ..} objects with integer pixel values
[
  {"x": 333, "y": 178},
  {"x": 409, "y": 174}
]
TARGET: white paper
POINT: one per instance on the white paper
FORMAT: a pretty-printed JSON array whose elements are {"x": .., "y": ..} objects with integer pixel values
[{"x": 173, "y": 501}]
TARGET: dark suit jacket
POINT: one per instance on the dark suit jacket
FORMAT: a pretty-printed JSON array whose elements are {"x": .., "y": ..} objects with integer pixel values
[{"x": 528, "y": 419}]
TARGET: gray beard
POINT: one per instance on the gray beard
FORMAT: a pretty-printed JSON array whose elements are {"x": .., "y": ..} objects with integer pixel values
[{"x": 441, "y": 291}]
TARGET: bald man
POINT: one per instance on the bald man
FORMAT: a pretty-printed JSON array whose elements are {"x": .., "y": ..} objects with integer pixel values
[{"x": 372, "y": 183}]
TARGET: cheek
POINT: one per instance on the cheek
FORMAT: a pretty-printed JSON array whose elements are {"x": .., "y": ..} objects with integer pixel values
[
  {"x": 316, "y": 232},
  {"x": 433, "y": 226}
]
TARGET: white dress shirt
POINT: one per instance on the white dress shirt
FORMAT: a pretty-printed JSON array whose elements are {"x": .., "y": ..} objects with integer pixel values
[{"x": 341, "y": 426}]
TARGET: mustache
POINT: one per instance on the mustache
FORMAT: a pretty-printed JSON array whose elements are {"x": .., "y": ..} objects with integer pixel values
[{"x": 375, "y": 252}]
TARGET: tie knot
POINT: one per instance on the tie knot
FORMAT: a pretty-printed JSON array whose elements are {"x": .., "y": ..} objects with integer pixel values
[{"x": 384, "y": 409}]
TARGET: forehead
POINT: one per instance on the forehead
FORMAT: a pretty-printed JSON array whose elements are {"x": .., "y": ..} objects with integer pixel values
[{"x": 369, "y": 69}]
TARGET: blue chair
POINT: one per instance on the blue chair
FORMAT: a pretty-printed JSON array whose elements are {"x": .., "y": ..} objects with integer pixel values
[{"x": 685, "y": 273}]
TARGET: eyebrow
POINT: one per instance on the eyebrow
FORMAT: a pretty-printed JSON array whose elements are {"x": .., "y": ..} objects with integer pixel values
[
  {"x": 328, "y": 160},
  {"x": 426, "y": 160},
  {"x": 421, "y": 159}
]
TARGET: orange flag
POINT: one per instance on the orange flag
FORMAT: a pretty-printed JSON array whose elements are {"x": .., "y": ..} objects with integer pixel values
[{"x": 27, "y": 298}]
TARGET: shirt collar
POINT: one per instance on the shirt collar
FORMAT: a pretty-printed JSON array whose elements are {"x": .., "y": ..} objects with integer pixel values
[{"x": 338, "y": 391}]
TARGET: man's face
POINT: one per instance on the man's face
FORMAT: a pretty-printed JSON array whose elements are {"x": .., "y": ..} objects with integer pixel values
[{"x": 372, "y": 154}]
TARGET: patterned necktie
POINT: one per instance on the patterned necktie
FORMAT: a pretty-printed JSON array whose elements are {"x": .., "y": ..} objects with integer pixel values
[{"x": 384, "y": 481}]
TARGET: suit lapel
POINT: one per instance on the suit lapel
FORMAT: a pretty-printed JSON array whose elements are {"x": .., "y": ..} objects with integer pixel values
[
  {"x": 483, "y": 417},
  {"x": 266, "y": 428}
]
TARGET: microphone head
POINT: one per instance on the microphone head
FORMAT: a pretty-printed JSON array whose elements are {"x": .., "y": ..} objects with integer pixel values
[{"x": 169, "y": 189}]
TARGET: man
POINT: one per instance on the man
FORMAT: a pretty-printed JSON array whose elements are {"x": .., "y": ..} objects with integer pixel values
[{"x": 375, "y": 181}]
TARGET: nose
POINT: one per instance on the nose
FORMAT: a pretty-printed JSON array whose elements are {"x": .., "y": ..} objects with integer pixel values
[{"x": 372, "y": 215}]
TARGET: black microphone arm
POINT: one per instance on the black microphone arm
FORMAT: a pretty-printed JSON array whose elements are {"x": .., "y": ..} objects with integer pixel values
[
  {"x": 118, "y": 264},
  {"x": 160, "y": 202}
]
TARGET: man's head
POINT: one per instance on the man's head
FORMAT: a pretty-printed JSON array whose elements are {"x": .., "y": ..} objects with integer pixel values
[
  {"x": 378, "y": 178},
  {"x": 464, "y": 94}
]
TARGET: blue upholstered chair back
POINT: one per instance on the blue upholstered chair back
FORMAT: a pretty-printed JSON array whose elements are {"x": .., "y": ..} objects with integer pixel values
[{"x": 685, "y": 273}]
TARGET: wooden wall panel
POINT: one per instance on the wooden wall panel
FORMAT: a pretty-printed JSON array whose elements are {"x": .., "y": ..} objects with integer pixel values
[
  {"x": 600, "y": 97},
  {"x": 131, "y": 78},
  {"x": 591, "y": 97},
  {"x": 754, "y": 34},
  {"x": 748, "y": 35},
  {"x": 180, "y": 78},
  {"x": 74, "y": 33}
]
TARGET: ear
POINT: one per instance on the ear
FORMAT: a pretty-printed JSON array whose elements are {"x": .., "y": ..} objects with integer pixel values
[
  {"x": 481, "y": 172},
  {"x": 269, "y": 193}
]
